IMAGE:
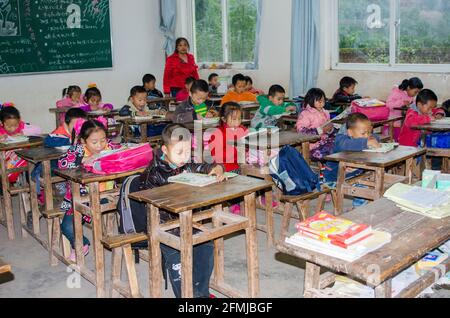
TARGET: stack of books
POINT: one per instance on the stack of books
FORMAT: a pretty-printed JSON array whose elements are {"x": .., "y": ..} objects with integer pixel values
[
  {"x": 431, "y": 203},
  {"x": 338, "y": 237},
  {"x": 368, "y": 102}
]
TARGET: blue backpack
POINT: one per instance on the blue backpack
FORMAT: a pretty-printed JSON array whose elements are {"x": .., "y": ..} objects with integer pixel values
[{"x": 292, "y": 174}]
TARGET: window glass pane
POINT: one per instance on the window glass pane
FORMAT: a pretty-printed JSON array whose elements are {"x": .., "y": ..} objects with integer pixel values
[
  {"x": 208, "y": 30},
  {"x": 424, "y": 32},
  {"x": 364, "y": 31},
  {"x": 242, "y": 30}
]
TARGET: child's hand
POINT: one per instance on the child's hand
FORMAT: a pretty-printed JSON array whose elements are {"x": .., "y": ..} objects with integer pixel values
[
  {"x": 328, "y": 129},
  {"x": 433, "y": 119},
  {"x": 438, "y": 116},
  {"x": 218, "y": 172},
  {"x": 373, "y": 143},
  {"x": 211, "y": 114},
  {"x": 143, "y": 113},
  {"x": 291, "y": 109},
  {"x": 407, "y": 103}
]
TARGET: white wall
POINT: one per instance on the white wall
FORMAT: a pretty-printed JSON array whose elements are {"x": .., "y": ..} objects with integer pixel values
[
  {"x": 137, "y": 46},
  {"x": 274, "y": 56}
]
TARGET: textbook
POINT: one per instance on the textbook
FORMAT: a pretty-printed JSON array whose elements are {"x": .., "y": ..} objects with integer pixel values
[
  {"x": 197, "y": 179},
  {"x": 15, "y": 140},
  {"x": 385, "y": 148},
  {"x": 367, "y": 102}
]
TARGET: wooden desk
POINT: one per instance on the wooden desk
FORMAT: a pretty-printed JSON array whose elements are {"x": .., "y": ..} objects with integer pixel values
[
  {"x": 35, "y": 156},
  {"x": 6, "y": 212},
  {"x": 164, "y": 100},
  {"x": 376, "y": 163},
  {"x": 4, "y": 267},
  {"x": 413, "y": 236},
  {"x": 248, "y": 108},
  {"x": 142, "y": 123},
  {"x": 63, "y": 110},
  {"x": 183, "y": 200},
  {"x": 435, "y": 127},
  {"x": 403, "y": 109},
  {"x": 94, "y": 209}
]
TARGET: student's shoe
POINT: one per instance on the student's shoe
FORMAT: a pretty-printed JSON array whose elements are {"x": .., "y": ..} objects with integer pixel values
[
  {"x": 41, "y": 198},
  {"x": 275, "y": 204},
  {"x": 73, "y": 256},
  {"x": 235, "y": 209}
]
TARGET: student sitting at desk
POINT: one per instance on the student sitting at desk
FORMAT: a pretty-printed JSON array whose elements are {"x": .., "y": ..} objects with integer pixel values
[
  {"x": 250, "y": 87},
  {"x": 272, "y": 108},
  {"x": 72, "y": 97},
  {"x": 183, "y": 94},
  {"x": 313, "y": 121},
  {"x": 64, "y": 134},
  {"x": 149, "y": 83},
  {"x": 91, "y": 141},
  {"x": 346, "y": 91},
  {"x": 93, "y": 101},
  {"x": 173, "y": 159},
  {"x": 213, "y": 81},
  {"x": 358, "y": 137},
  {"x": 195, "y": 107},
  {"x": 239, "y": 92}
]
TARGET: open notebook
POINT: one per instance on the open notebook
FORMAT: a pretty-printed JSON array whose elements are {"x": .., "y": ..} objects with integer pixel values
[
  {"x": 197, "y": 179},
  {"x": 385, "y": 148},
  {"x": 15, "y": 140}
]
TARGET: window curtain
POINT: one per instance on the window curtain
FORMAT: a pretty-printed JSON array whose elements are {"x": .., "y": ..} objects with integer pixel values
[
  {"x": 168, "y": 22},
  {"x": 259, "y": 9},
  {"x": 305, "y": 46}
]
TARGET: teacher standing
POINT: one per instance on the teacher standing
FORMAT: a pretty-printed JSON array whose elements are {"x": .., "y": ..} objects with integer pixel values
[{"x": 179, "y": 66}]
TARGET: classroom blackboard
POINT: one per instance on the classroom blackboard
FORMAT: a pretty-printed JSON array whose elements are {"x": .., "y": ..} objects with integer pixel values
[{"x": 54, "y": 35}]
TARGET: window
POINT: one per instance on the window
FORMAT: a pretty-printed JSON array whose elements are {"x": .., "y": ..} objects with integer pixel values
[
  {"x": 225, "y": 30},
  {"x": 392, "y": 34}
]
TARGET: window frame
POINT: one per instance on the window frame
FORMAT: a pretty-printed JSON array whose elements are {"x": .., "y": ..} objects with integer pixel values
[
  {"x": 394, "y": 21},
  {"x": 225, "y": 39}
]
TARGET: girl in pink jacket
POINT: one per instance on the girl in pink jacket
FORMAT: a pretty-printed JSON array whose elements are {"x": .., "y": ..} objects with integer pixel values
[
  {"x": 72, "y": 98},
  {"x": 315, "y": 120}
]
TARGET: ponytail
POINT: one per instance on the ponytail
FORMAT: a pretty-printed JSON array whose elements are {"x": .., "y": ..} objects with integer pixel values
[{"x": 412, "y": 83}]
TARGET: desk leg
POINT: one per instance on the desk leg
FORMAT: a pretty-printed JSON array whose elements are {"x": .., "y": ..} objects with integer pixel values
[
  {"x": 269, "y": 218},
  {"x": 409, "y": 170},
  {"x": 340, "y": 188},
  {"x": 126, "y": 132},
  {"x": 95, "y": 207},
  {"x": 53, "y": 232},
  {"x": 154, "y": 250},
  {"x": 57, "y": 119},
  {"x": 218, "y": 252},
  {"x": 391, "y": 131},
  {"x": 77, "y": 225},
  {"x": 379, "y": 183},
  {"x": 7, "y": 197},
  {"x": 144, "y": 137},
  {"x": 186, "y": 254},
  {"x": 312, "y": 276},
  {"x": 252, "y": 246},
  {"x": 384, "y": 290},
  {"x": 33, "y": 201},
  {"x": 306, "y": 152}
]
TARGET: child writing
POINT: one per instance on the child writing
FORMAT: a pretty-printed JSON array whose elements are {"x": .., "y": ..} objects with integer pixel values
[
  {"x": 10, "y": 123},
  {"x": 71, "y": 97},
  {"x": 90, "y": 143},
  {"x": 173, "y": 159},
  {"x": 194, "y": 108},
  {"x": 62, "y": 136},
  {"x": 272, "y": 108},
  {"x": 93, "y": 101},
  {"x": 346, "y": 91},
  {"x": 183, "y": 94},
  {"x": 213, "y": 81},
  {"x": 420, "y": 113},
  {"x": 239, "y": 91},
  {"x": 315, "y": 120}
]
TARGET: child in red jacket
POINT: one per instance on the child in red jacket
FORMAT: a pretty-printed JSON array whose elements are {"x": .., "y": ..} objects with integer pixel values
[{"x": 422, "y": 113}]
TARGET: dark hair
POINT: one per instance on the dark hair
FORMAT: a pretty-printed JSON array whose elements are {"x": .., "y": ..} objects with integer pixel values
[
  {"x": 168, "y": 137},
  {"x": 148, "y": 78},
  {"x": 200, "y": 86},
  {"x": 238, "y": 78},
  {"x": 137, "y": 90},
  {"x": 274, "y": 89},
  {"x": 211, "y": 76},
  {"x": 92, "y": 92},
  {"x": 412, "y": 83},
  {"x": 229, "y": 108},
  {"x": 178, "y": 42},
  {"x": 9, "y": 112},
  {"x": 354, "y": 118},
  {"x": 314, "y": 95},
  {"x": 248, "y": 79},
  {"x": 189, "y": 80},
  {"x": 346, "y": 82},
  {"x": 446, "y": 105},
  {"x": 425, "y": 96},
  {"x": 89, "y": 127},
  {"x": 68, "y": 91},
  {"x": 74, "y": 113}
]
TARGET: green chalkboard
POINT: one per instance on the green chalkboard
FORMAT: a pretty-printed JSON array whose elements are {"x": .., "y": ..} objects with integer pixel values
[{"x": 54, "y": 35}]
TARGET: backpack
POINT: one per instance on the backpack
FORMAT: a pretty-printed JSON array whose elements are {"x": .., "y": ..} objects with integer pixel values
[
  {"x": 133, "y": 215},
  {"x": 374, "y": 113},
  {"x": 292, "y": 174},
  {"x": 122, "y": 160}
]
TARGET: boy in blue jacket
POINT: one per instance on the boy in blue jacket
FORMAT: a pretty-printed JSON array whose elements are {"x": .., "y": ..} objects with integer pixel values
[{"x": 357, "y": 137}]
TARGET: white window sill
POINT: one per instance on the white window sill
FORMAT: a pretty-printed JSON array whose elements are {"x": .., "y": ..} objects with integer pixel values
[{"x": 416, "y": 68}]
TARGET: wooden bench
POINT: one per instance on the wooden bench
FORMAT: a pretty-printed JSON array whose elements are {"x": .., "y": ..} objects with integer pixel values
[{"x": 120, "y": 245}]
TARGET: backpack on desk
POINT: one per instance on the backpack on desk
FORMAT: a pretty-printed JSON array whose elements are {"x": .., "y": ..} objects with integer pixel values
[{"x": 292, "y": 174}]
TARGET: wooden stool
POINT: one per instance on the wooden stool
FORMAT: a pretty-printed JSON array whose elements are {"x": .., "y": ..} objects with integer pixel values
[
  {"x": 120, "y": 245},
  {"x": 303, "y": 203},
  {"x": 55, "y": 237}
]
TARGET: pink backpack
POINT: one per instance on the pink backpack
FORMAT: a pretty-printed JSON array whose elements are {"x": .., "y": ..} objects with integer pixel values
[
  {"x": 373, "y": 110},
  {"x": 129, "y": 159}
]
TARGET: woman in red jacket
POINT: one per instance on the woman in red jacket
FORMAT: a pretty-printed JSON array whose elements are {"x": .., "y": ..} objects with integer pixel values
[{"x": 179, "y": 66}]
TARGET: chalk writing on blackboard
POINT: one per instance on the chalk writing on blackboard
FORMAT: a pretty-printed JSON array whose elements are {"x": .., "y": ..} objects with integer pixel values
[{"x": 9, "y": 18}]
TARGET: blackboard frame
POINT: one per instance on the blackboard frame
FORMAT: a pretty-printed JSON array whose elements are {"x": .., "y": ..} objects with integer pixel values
[{"x": 79, "y": 70}]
